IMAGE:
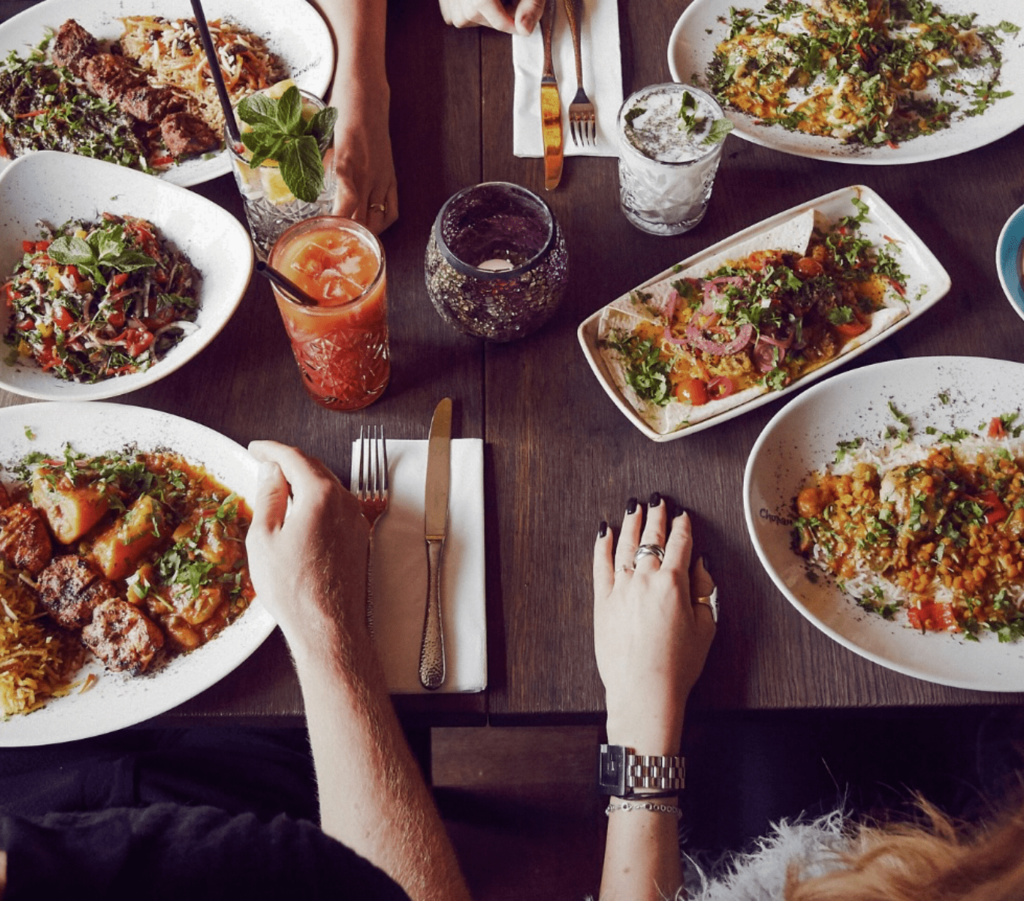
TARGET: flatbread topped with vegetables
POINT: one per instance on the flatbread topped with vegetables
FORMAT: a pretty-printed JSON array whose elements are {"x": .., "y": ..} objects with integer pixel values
[{"x": 749, "y": 320}]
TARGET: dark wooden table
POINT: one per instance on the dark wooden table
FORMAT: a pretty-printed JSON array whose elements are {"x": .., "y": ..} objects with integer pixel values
[{"x": 559, "y": 456}]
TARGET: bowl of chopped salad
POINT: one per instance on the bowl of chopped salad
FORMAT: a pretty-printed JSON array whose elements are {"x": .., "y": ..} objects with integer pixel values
[{"x": 111, "y": 286}]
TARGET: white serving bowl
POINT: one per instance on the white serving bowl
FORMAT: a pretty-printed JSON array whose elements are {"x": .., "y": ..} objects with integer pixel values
[{"x": 55, "y": 187}]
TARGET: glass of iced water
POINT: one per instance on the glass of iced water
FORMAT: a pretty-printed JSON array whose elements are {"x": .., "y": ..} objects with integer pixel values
[
  {"x": 670, "y": 143},
  {"x": 270, "y": 206}
]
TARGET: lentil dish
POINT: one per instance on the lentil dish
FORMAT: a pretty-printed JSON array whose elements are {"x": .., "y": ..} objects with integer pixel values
[
  {"x": 133, "y": 557},
  {"x": 870, "y": 72},
  {"x": 933, "y": 534}
]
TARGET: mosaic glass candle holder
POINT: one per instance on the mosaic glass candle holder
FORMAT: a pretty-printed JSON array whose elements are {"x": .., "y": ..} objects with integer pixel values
[{"x": 496, "y": 263}]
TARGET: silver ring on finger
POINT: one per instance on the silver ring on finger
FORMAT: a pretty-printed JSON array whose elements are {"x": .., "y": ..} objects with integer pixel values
[
  {"x": 623, "y": 569},
  {"x": 648, "y": 550},
  {"x": 710, "y": 601}
]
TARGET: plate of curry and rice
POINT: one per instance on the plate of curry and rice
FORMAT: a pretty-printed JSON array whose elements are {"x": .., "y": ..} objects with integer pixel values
[
  {"x": 872, "y": 83},
  {"x": 110, "y": 616},
  {"x": 887, "y": 505}
]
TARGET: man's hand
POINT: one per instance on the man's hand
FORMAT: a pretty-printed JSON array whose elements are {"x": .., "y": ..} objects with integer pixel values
[
  {"x": 492, "y": 14},
  {"x": 307, "y": 550}
]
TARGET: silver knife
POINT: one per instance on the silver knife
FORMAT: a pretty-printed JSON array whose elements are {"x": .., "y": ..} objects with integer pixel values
[{"x": 435, "y": 527}]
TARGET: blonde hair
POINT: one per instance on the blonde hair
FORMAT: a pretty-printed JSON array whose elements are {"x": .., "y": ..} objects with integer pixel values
[{"x": 932, "y": 859}]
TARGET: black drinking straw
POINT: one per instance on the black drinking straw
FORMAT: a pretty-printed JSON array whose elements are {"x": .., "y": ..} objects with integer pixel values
[
  {"x": 285, "y": 284},
  {"x": 215, "y": 73}
]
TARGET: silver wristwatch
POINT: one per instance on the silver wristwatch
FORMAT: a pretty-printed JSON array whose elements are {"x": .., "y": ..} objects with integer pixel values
[{"x": 621, "y": 770}]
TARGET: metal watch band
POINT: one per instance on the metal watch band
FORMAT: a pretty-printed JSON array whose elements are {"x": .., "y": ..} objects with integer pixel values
[
  {"x": 621, "y": 771},
  {"x": 645, "y": 771}
]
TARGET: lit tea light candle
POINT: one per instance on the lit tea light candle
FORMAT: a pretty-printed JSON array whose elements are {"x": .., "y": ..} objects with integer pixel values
[{"x": 497, "y": 265}]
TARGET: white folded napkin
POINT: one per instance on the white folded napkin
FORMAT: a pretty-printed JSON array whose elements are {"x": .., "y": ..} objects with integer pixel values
[
  {"x": 398, "y": 570},
  {"x": 602, "y": 78}
]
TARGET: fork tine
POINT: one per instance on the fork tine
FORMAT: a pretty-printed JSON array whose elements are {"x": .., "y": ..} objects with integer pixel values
[
  {"x": 384, "y": 454},
  {"x": 361, "y": 486}
]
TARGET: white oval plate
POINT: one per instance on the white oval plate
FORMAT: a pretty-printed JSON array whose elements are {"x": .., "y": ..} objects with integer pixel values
[
  {"x": 293, "y": 29},
  {"x": 927, "y": 284},
  {"x": 944, "y": 392},
  {"x": 118, "y": 701},
  {"x": 704, "y": 24},
  {"x": 55, "y": 187},
  {"x": 1010, "y": 260}
]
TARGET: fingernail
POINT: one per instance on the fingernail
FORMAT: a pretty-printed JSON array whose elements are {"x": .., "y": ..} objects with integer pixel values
[
  {"x": 677, "y": 511},
  {"x": 602, "y": 529},
  {"x": 704, "y": 563},
  {"x": 631, "y": 506},
  {"x": 655, "y": 500}
]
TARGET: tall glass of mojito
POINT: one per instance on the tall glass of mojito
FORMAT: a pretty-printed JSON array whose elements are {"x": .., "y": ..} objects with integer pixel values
[
  {"x": 670, "y": 143},
  {"x": 277, "y": 193}
]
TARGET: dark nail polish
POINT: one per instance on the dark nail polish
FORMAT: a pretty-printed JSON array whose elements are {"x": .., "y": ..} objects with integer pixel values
[
  {"x": 655, "y": 500},
  {"x": 704, "y": 563},
  {"x": 631, "y": 506},
  {"x": 602, "y": 529}
]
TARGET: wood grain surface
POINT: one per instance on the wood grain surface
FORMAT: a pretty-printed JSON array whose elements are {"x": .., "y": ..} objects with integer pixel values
[{"x": 559, "y": 455}]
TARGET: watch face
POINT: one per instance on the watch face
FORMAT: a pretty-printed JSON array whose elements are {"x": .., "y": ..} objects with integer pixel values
[{"x": 611, "y": 775}]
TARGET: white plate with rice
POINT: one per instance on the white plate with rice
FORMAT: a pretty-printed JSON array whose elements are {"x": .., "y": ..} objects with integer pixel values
[
  {"x": 293, "y": 30},
  {"x": 117, "y": 701},
  {"x": 944, "y": 393}
]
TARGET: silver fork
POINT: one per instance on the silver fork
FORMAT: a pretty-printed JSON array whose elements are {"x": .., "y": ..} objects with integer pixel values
[
  {"x": 373, "y": 493},
  {"x": 582, "y": 118}
]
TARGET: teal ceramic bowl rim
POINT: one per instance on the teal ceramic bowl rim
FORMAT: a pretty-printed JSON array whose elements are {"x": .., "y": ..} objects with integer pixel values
[{"x": 1010, "y": 260}]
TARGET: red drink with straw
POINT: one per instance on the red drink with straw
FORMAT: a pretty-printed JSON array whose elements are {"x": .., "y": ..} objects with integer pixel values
[{"x": 341, "y": 343}]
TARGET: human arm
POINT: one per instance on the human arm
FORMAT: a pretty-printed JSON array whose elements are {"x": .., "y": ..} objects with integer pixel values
[
  {"x": 493, "y": 14},
  {"x": 651, "y": 643},
  {"x": 308, "y": 565},
  {"x": 362, "y": 158}
]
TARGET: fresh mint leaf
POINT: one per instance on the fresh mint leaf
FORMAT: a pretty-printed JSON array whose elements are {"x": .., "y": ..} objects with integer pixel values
[
  {"x": 301, "y": 169},
  {"x": 289, "y": 111},
  {"x": 71, "y": 251},
  {"x": 321, "y": 126},
  {"x": 719, "y": 129},
  {"x": 280, "y": 133},
  {"x": 258, "y": 109}
]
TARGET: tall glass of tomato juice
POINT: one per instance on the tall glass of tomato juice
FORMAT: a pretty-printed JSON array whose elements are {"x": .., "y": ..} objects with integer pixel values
[{"x": 341, "y": 343}]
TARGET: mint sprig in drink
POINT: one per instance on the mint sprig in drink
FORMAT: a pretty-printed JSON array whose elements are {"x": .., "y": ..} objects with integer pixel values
[
  {"x": 279, "y": 166},
  {"x": 670, "y": 144}
]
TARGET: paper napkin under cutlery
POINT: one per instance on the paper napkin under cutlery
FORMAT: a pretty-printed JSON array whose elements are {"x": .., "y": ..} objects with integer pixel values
[
  {"x": 398, "y": 570},
  {"x": 602, "y": 79}
]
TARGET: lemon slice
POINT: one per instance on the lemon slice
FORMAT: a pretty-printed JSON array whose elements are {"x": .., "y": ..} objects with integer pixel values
[{"x": 277, "y": 191}]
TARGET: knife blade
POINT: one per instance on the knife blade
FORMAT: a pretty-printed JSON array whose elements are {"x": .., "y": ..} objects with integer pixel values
[
  {"x": 550, "y": 105},
  {"x": 435, "y": 528}
]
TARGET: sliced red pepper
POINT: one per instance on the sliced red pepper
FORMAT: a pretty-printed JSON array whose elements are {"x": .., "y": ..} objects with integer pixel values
[
  {"x": 63, "y": 318},
  {"x": 137, "y": 340},
  {"x": 26, "y": 325},
  {"x": 996, "y": 429},
  {"x": 932, "y": 616},
  {"x": 995, "y": 509}
]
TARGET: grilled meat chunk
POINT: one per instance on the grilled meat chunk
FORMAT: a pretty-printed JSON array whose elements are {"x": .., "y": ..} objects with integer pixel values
[
  {"x": 24, "y": 539},
  {"x": 110, "y": 76},
  {"x": 149, "y": 104},
  {"x": 185, "y": 134},
  {"x": 122, "y": 636},
  {"x": 70, "y": 589},
  {"x": 73, "y": 46}
]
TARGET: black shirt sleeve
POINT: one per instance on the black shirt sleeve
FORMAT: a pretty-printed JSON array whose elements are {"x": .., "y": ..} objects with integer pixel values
[{"x": 184, "y": 853}]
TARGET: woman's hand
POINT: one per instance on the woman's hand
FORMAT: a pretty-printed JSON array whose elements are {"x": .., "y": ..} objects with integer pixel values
[
  {"x": 367, "y": 190},
  {"x": 308, "y": 559},
  {"x": 650, "y": 640},
  {"x": 492, "y": 13}
]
